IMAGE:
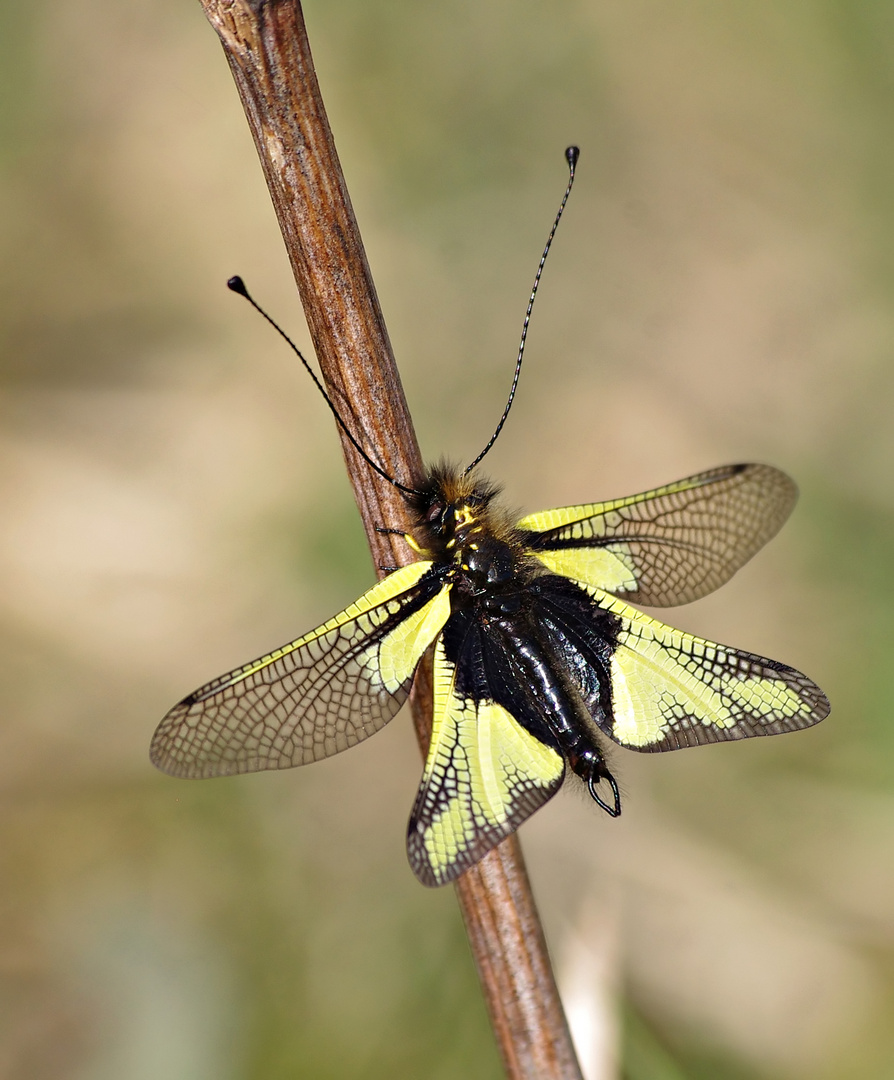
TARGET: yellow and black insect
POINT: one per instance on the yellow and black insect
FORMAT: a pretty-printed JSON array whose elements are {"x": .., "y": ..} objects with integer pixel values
[{"x": 537, "y": 651}]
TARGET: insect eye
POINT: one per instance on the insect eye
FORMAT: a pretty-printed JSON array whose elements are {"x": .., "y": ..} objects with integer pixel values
[{"x": 434, "y": 512}]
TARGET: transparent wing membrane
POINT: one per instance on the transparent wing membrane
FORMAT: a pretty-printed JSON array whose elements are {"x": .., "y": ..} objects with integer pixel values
[
  {"x": 670, "y": 689},
  {"x": 317, "y": 695},
  {"x": 668, "y": 546}
]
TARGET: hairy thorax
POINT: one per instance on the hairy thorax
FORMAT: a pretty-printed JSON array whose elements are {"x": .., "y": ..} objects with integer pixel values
[{"x": 472, "y": 539}]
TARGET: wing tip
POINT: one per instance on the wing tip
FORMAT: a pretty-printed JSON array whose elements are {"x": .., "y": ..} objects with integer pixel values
[
  {"x": 420, "y": 861},
  {"x": 432, "y": 876}
]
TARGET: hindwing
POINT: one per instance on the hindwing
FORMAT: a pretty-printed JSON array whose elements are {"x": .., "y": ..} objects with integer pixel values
[
  {"x": 668, "y": 546},
  {"x": 652, "y": 688},
  {"x": 317, "y": 695},
  {"x": 485, "y": 771},
  {"x": 671, "y": 689}
]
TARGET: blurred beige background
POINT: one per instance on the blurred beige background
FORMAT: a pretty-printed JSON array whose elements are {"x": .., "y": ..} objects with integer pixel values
[{"x": 174, "y": 504}]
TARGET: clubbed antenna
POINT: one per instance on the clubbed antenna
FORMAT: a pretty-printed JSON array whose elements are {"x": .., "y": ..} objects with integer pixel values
[{"x": 238, "y": 286}]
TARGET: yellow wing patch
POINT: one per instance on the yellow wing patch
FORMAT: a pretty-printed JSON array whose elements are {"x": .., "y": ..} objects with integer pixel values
[
  {"x": 612, "y": 569},
  {"x": 484, "y": 775},
  {"x": 670, "y": 689},
  {"x": 667, "y": 546},
  {"x": 317, "y": 695},
  {"x": 396, "y": 656}
]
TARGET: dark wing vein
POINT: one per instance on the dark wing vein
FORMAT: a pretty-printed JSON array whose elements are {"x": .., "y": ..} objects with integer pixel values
[
  {"x": 670, "y": 689},
  {"x": 667, "y": 546},
  {"x": 314, "y": 697},
  {"x": 485, "y": 771}
]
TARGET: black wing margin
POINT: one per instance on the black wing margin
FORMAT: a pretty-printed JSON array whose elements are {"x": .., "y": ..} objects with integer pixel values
[
  {"x": 491, "y": 762},
  {"x": 652, "y": 688}
]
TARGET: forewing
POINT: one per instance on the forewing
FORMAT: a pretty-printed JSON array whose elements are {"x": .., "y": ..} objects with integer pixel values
[
  {"x": 315, "y": 696},
  {"x": 670, "y": 689},
  {"x": 484, "y": 774},
  {"x": 667, "y": 546}
]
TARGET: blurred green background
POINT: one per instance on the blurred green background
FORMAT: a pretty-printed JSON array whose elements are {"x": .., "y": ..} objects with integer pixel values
[{"x": 174, "y": 504}]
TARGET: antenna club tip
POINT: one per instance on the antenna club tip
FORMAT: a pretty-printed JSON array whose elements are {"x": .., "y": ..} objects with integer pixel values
[
  {"x": 572, "y": 153},
  {"x": 237, "y": 285}
]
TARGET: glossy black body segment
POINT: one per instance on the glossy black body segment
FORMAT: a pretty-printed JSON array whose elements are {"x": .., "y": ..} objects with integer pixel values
[{"x": 541, "y": 649}]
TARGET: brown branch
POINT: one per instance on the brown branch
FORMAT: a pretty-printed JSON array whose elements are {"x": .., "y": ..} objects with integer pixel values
[{"x": 266, "y": 46}]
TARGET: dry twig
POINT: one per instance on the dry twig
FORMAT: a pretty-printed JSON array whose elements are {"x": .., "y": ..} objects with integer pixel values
[{"x": 266, "y": 46}]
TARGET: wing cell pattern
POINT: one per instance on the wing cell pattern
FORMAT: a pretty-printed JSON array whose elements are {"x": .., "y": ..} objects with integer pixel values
[
  {"x": 668, "y": 546},
  {"x": 670, "y": 689},
  {"x": 484, "y": 775},
  {"x": 317, "y": 695}
]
